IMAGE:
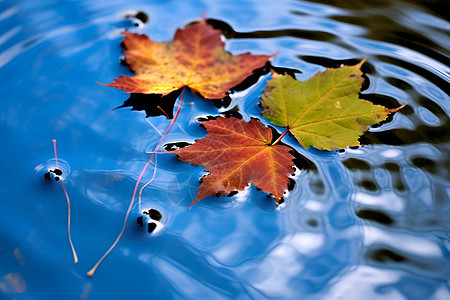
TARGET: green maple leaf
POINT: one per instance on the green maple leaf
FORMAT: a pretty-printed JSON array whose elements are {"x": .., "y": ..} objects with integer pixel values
[{"x": 325, "y": 111}]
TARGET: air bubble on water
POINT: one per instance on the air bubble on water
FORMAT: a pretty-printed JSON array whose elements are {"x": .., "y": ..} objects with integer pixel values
[
  {"x": 50, "y": 172},
  {"x": 150, "y": 220},
  {"x": 138, "y": 18}
]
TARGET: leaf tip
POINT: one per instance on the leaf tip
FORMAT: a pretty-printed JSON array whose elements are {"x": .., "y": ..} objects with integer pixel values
[
  {"x": 275, "y": 54},
  {"x": 393, "y": 110},
  {"x": 362, "y": 62},
  {"x": 193, "y": 202},
  {"x": 104, "y": 84}
]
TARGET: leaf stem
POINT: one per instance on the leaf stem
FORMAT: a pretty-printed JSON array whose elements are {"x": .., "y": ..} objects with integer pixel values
[
  {"x": 150, "y": 181},
  {"x": 74, "y": 253},
  {"x": 92, "y": 271},
  {"x": 163, "y": 111},
  {"x": 56, "y": 152},
  {"x": 281, "y": 136}
]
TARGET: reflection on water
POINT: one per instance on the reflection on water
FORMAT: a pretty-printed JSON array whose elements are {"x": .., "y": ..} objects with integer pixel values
[{"x": 366, "y": 222}]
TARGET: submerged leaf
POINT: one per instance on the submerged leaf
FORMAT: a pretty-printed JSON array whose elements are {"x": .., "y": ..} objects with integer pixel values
[
  {"x": 325, "y": 111},
  {"x": 237, "y": 153},
  {"x": 195, "y": 58}
]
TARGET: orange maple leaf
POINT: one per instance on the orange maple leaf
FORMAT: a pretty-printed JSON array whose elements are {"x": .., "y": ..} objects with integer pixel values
[
  {"x": 195, "y": 58},
  {"x": 237, "y": 153}
]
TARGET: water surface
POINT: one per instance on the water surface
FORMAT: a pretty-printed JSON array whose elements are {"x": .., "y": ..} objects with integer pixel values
[{"x": 368, "y": 222}]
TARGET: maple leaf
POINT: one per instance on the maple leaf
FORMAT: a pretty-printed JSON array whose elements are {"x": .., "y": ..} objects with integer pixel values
[
  {"x": 195, "y": 58},
  {"x": 325, "y": 111},
  {"x": 235, "y": 153}
]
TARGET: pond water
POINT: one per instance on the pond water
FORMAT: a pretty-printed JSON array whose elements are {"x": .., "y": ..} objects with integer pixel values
[{"x": 362, "y": 223}]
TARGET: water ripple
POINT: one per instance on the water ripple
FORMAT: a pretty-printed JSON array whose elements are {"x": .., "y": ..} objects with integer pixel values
[{"x": 366, "y": 222}]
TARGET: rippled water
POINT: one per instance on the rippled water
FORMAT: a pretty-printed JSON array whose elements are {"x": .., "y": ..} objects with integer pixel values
[{"x": 362, "y": 223}]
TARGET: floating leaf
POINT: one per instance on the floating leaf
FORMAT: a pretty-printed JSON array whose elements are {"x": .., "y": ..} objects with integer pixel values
[
  {"x": 236, "y": 153},
  {"x": 325, "y": 111},
  {"x": 195, "y": 58}
]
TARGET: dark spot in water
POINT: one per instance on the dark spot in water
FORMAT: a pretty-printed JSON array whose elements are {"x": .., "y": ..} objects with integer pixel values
[
  {"x": 205, "y": 118},
  {"x": 416, "y": 41},
  {"x": 434, "y": 108},
  {"x": 140, "y": 221},
  {"x": 384, "y": 255},
  {"x": 398, "y": 83},
  {"x": 394, "y": 169},
  {"x": 329, "y": 62},
  {"x": 142, "y": 16},
  {"x": 291, "y": 184},
  {"x": 390, "y": 166},
  {"x": 440, "y": 82},
  {"x": 175, "y": 146},
  {"x": 375, "y": 215},
  {"x": 368, "y": 185},
  {"x": 252, "y": 79},
  {"x": 234, "y": 112},
  {"x": 312, "y": 222},
  {"x": 224, "y": 102},
  {"x": 232, "y": 193},
  {"x": 300, "y": 161},
  {"x": 356, "y": 164},
  {"x": 154, "y": 214},
  {"x": 48, "y": 176},
  {"x": 230, "y": 33},
  {"x": 152, "y": 104},
  {"x": 400, "y": 186},
  {"x": 123, "y": 61},
  {"x": 285, "y": 71},
  {"x": 149, "y": 217},
  {"x": 151, "y": 227},
  {"x": 421, "y": 134},
  {"x": 424, "y": 163}
]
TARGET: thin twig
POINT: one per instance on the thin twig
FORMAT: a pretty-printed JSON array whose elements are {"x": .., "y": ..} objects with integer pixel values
[
  {"x": 74, "y": 253},
  {"x": 164, "y": 112},
  {"x": 56, "y": 152},
  {"x": 153, "y": 177},
  {"x": 281, "y": 136},
  {"x": 92, "y": 271}
]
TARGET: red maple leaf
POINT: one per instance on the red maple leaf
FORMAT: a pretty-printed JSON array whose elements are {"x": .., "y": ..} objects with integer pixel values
[{"x": 236, "y": 153}]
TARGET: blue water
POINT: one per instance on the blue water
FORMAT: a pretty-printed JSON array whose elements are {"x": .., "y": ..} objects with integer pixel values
[{"x": 362, "y": 223}]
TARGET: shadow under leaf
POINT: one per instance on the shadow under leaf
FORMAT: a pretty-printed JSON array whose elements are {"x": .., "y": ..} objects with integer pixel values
[{"x": 153, "y": 104}]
